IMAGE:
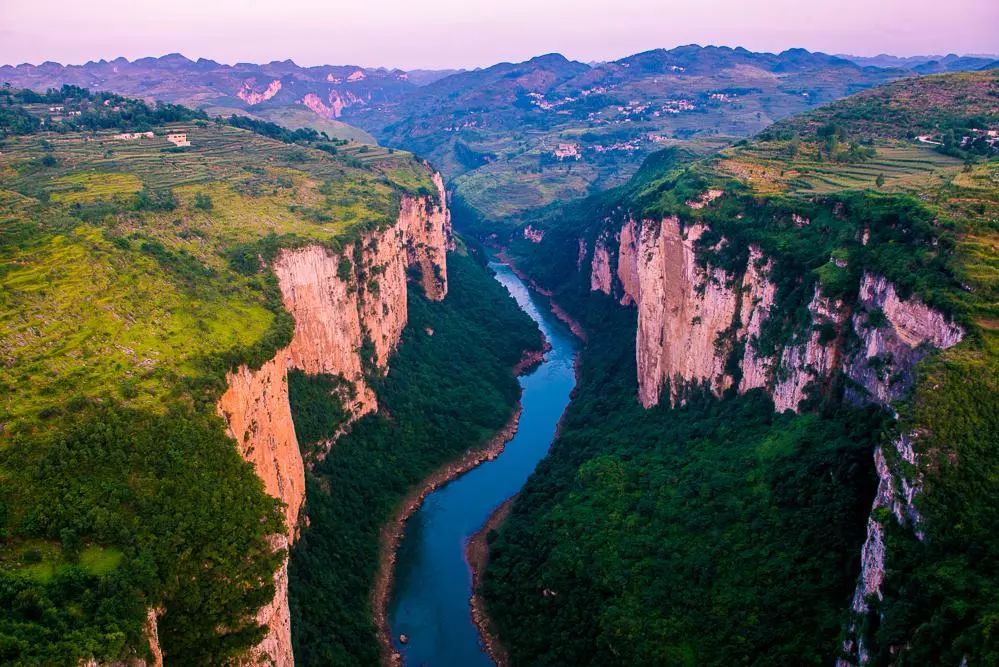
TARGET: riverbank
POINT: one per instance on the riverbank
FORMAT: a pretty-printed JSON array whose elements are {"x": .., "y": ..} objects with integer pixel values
[
  {"x": 392, "y": 532},
  {"x": 477, "y": 554}
]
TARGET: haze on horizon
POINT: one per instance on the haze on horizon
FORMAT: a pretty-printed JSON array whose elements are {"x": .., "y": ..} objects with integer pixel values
[{"x": 459, "y": 33}]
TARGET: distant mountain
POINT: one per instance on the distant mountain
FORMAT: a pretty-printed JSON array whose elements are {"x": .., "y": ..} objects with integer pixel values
[
  {"x": 326, "y": 90},
  {"x": 515, "y": 135},
  {"x": 518, "y": 135},
  {"x": 953, "y": 63},
  {"x": 925, "y": 64}
]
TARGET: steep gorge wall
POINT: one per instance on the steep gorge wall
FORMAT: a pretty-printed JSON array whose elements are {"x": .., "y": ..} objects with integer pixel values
[
  {"x": 691, "y": 319},
  {"x": 339, "y": 301}
]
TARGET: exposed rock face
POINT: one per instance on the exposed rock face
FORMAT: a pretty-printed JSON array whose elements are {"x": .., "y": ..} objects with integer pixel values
[
  {"x": 627, "y": 263},
  {"x": 338, "y": 300},
  {"x": 533, "y": 234},
  {"x": 758, "y": 294},
  {"x": 682, "y": 311},
  {"x": 250, "y": 95},
  {"x": 815, "y": 358},
  {"x": 334, "y": 104},
  {"x": 895, "y": 335},
  {"x": 687, "y": 315},
  {"x": 600, "y": 273}
]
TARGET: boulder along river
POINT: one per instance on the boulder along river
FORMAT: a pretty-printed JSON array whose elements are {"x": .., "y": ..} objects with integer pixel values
[{"x": 432, "y": 583}]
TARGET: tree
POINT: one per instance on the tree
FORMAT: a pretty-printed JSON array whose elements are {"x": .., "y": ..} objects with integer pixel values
[
  {"x": 880, "y": 180},
  {"x": 202, "y": 201}
]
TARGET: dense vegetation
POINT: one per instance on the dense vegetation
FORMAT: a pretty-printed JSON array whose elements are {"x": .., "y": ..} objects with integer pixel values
[
  {"x": 668, "y": 536},
  {"x": 715, "y": 534},
  {"x": 131, "y": 281},
  {"x": 117, "y": 514},
  {"x": 75, "y": 109},
  {"x": 942, "y": 593},
  {"x": 450, "y": 388}
]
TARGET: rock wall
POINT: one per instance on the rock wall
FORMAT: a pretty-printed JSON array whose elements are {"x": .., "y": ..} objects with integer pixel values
[
  {"x": 758, "y": 294},
  {"x": 815, "y": 358},
  {"x": 682, "y": 311},
  {"x": 691, "y": 318},
  {"x": 249, "y": 94},
  {"x": 895, "y": 335},
  {"x": 600, "y": 274},
  {"x": 686, "y": 314},
  {"x": 338, "y": 301}
]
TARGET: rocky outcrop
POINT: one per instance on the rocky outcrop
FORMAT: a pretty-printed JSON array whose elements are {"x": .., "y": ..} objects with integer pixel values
[
  {"x": 342, "y": 303},
  {"x": 334, "y": 104},
  {"x": 533, "y": 234},
  {"x": 249, "y": 94},
  {"x": 692, "y": 318},
  {"x": 627, "y": 263},
  {"x": 895, "y": 335},
  {"x": 600, "y": 274},
  {"x": 815, "y": 358},
  {"x": 758, "y": 294}
]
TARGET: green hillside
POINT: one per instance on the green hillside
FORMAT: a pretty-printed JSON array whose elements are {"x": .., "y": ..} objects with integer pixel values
[
  {"x": 721, "y": 533},
  {"x": 130, "y": 281}
]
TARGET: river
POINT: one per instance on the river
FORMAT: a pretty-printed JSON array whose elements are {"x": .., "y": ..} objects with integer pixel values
[{"x": 433, "y": 583}]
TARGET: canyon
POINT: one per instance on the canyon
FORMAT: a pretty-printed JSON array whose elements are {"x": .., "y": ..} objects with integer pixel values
[{"x": 340, "y": 301}]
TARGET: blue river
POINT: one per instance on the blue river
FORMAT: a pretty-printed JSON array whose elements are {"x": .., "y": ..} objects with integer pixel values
[{"x": 433, "y": 583}]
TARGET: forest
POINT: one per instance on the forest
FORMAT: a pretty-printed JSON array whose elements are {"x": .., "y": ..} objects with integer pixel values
[{"x": 714, "y": 534}]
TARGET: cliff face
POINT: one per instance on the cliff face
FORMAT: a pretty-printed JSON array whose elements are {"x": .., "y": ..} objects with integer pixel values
[
  {"x": 758, "y": 294},
  {"x": 691, "y": 319},
  {"x": 339, "y": 301},
  {"x": 682, "y": 311},
  {"x": 249, "y": 94},
  {"x": 895, "y": 335},
  {"x": 686, "y": 316}
]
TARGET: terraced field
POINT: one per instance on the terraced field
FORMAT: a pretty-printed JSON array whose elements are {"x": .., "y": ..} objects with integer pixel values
[{"x": 902, "y": 166}]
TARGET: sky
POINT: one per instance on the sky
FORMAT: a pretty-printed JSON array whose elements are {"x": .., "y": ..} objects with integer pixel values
[{"x": 412, "y": 34}]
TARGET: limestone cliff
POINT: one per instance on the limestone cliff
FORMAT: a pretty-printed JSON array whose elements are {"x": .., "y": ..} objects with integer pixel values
[
  {"x": 692, "y": 318},
  {"x": 758, "y": 294},
  {"x": 340, "y": 301},
  {"x": 683, "y": 310},
  {"x": 249, "y": 93},
  {"x": 687, "y": 314},
  {"x": 895, "y": 334}
]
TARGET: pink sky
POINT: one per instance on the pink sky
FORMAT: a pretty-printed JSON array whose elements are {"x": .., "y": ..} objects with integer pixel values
[{"x": 468, "y": 33}]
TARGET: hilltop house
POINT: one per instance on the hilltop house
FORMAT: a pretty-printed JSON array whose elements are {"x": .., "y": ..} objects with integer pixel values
[
  {"x": 178, "y": 139},
  {"x": 565, "y": 151},
  {"x": 130, "y": 136}
]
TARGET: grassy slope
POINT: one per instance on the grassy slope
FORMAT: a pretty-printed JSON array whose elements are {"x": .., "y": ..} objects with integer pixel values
[
  {"x": 99, "y": 308},
  {"x": 935, "y": 230},
  {"x": 130, "y": 283},
  {"x": 295, "y": 117}
]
